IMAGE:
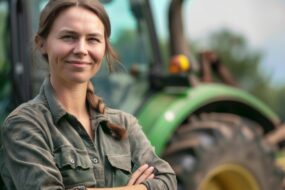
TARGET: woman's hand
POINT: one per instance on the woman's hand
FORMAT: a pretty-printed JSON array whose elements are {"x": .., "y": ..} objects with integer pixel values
[{"x": 141, "y": 174}]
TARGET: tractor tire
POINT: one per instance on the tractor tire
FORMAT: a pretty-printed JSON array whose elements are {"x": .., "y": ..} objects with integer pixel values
[{"x": 216, "y": 151}]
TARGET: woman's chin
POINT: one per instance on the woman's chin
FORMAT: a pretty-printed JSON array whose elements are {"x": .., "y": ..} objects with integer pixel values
[{"x": 79, "y": 79}]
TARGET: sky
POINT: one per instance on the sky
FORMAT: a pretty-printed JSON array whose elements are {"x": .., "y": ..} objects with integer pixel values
[{"x": 261, "y": 22}]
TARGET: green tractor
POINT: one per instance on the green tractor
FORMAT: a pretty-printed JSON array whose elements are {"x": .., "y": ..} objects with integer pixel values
[{"x": 215, "y": 135}]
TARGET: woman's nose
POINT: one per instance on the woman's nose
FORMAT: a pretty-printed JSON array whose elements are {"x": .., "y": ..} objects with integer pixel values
[{"x": 80, "y": 48}]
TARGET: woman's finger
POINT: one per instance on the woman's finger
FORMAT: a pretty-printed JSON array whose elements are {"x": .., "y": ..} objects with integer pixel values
[
  {"x": 145, "y": 175},
  {"x": 151, "y": 176},
  {"x": 137, "y": 174}
]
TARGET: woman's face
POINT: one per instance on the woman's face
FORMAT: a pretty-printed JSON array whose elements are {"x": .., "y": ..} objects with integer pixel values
[{"x": 75, "y": 46}]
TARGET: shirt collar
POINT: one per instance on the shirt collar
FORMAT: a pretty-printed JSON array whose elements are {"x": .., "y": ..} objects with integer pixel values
[
  {"x": 55, "y": 107},
  {"x": 58, "y": 111}
]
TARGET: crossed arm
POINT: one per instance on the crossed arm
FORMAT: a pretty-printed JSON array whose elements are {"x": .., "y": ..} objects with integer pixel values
[{"x": 141, "y": 174}]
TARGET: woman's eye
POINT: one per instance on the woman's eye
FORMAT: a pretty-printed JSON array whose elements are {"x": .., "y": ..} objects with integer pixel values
[
  {"x": 94, "y": 40},
  {"x": 68, "y": 38}
]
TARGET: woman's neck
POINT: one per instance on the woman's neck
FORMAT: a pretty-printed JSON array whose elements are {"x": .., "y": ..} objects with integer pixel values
[{"x": 72, "y": 97}]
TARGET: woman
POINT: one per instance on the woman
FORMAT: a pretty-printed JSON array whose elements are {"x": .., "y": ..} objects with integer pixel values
[{"x": 65, "y": 138}]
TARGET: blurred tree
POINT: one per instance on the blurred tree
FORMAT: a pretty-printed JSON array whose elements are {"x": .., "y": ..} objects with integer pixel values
[
  {"x": 244, "y": 63},
  {"x": 241, "y": 60}
]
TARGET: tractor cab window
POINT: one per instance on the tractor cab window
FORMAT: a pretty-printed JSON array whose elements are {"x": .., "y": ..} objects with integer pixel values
[
  {"x": 127, "y": 38},
  {"x": 4, "y": 59},
  {"x": 126, "y": 87}
]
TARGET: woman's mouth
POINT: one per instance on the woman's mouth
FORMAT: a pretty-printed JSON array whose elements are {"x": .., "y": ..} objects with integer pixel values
[{"x": 79, "y": 63}]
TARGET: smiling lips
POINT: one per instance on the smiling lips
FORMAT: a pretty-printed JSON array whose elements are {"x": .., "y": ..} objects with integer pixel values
[{"x": 79, "y": 63}]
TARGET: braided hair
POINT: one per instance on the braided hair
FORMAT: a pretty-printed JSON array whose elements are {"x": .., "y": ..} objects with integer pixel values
[{"x": 97, "y": 103}]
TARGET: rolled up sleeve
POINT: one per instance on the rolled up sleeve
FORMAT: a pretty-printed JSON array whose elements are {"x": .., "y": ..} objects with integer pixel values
[{"x": 143, "y": 153}]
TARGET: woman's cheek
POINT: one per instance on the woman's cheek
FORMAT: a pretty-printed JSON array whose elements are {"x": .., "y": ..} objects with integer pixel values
[{"x": 97, "y": 56}]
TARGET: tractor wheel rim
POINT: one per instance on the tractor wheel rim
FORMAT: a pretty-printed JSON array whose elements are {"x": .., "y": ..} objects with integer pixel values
[{"x": 229, "y": 177}]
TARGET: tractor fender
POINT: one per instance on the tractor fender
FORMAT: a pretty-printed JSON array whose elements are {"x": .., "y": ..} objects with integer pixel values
[{"x": 168, "y": 109}]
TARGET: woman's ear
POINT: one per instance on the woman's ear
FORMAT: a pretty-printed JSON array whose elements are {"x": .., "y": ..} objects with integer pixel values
[{"x": 40, "y": 44}]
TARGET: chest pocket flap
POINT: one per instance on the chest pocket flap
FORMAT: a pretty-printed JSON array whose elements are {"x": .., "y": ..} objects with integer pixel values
[
  {"x": 122, "y": 162},
  {"x": 70, "y": 157},
  {"x": 75, "y": 166}
]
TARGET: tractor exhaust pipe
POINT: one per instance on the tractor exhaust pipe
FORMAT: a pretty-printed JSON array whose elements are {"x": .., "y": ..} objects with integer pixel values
[{"x": 178, "y": 42}]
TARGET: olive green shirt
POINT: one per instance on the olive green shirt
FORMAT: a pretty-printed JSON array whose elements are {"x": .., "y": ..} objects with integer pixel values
[{"x": 44, "y": 147}]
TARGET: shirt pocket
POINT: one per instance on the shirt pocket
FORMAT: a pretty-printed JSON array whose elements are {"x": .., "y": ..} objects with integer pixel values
[
  {"x": 120, "y": 169},
  {"x": 75, "y": 166}
]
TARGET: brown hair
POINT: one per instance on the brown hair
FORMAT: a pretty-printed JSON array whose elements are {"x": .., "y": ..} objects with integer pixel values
[{"x": 47, "y": 18}]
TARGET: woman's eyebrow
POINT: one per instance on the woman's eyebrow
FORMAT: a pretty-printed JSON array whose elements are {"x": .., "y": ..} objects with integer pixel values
[
  {"x": 96, "y": 34},
  {"x": 68, "y": 32}
]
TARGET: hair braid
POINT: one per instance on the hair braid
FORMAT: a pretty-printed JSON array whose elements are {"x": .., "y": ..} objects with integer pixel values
[{"x": 97, "y": 103}]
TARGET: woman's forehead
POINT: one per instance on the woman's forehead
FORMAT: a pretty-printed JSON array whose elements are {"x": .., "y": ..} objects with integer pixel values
[{"x": 79, "y": 18}]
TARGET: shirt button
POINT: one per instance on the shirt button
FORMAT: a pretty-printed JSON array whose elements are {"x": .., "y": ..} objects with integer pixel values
[
  {"x": 72, "y": 161},
  {"x": 95, "y": 160}
]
